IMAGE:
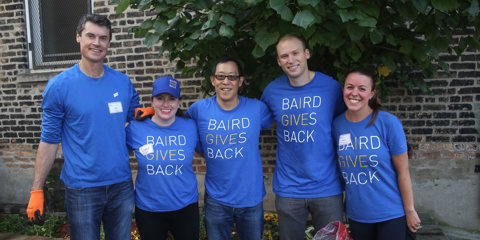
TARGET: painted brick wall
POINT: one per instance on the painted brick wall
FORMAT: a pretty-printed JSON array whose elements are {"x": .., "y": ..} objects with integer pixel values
[{"x": 442, "y": 129}]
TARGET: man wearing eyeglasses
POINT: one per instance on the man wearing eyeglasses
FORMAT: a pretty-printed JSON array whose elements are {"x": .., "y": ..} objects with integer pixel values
[{"x": 229, "y": 127}]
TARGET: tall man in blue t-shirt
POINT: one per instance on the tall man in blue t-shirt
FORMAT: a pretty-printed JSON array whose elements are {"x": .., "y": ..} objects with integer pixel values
[
  {"x": 229, "y": 127},
  {"x": 304, "y": 104},
  {"x": 86, "y": 108}
]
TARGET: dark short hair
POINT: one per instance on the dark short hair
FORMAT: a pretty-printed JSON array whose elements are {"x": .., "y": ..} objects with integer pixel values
[
  {"x": 227, "y": 59},
  {"x": 97, "y": 19}
]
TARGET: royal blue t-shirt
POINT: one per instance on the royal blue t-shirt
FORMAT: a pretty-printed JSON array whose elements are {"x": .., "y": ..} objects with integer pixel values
[
  {"x": 306, "y": 166},
  {"x": 165, "y": 177},
  {"x": 230, "y": 145},
  {"x": 364, "y": 155},
  {"x": 88, "y": 115}
]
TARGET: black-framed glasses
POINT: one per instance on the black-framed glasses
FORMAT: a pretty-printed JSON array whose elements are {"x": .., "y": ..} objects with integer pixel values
[{"x": 222, "y": 77}]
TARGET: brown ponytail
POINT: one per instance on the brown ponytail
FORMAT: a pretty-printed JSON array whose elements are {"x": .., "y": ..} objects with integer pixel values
[{"x": 374, "y": 103}]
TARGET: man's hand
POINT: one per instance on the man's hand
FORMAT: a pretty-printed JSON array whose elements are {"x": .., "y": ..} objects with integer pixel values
[
  {"x": 143, "y": 113},
  {"x": 35, "y": 207}
]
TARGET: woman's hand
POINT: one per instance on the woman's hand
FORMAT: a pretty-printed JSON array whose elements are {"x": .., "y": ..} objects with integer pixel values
[{"x": 413, "y": 221}]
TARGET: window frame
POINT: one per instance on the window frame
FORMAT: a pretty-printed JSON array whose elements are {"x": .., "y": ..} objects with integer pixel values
[{"x": 34, "y": 37}]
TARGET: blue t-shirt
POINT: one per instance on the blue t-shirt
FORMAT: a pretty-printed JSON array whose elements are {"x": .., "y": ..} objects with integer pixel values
[
  {"x": 88, "y": 115},
  {"x": 165, "y": 177},
  {"x": 230, "y": 145},
  {"x": 364, "y": 156},
  {"x": 306, "y": 166}
]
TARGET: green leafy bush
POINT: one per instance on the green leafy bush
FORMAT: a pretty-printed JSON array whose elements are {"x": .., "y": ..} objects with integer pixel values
[{"x": 21, "y": 225}]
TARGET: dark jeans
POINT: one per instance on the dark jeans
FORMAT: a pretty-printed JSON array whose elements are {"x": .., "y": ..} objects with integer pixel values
[{"x": 184, "y": 224}]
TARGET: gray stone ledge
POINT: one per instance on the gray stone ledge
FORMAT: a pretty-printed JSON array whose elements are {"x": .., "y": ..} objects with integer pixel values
[{"x": 35, "y": 77}]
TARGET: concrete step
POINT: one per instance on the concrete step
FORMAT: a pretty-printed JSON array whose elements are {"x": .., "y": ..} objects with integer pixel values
[{"x": 430, "y": 229}]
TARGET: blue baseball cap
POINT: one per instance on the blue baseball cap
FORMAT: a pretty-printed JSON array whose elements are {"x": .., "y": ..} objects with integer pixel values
[{"x": 166, "y": 84}]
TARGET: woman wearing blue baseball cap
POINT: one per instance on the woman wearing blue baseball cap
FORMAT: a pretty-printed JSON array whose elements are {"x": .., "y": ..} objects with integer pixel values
[{"x": 166, "y": 186}]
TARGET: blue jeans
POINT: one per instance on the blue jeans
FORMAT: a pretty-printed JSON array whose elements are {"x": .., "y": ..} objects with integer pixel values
[
  {"x": 219, "y": 220},
  {"x": 293, "y": 214},
  {"x": 87, "y": 208}
]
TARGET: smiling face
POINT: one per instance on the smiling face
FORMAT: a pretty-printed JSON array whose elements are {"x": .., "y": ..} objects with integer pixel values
[
  {"x": 227, "y": 89},
  {"x": 357, "y": 91},
  {"x": 94, "y": 42},
  {"x": 165, "y": 106},
  {"x": 292, "y": 57}
]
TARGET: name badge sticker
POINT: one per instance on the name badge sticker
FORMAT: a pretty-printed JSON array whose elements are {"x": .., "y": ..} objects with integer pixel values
[
  {"x": 344, "y": 139},
  {"x": 115, "y": 107},
  {"x": 146, "y": 149}
]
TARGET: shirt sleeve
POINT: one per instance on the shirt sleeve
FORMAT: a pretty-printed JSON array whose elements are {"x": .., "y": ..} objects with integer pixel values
[
  {"x": 192, "y": 112},
  {"x": 264, "y": 97},
  {"x": 198, "y": 146},
  {"x": 266, "y": 116},
  {"x": 129, "y": 136},
  {"x": 134, "y": 103},
  {"x": 340, "y": 106},
  {"x": 397, "y": 142},
  {"x": 52, "y": 115}
]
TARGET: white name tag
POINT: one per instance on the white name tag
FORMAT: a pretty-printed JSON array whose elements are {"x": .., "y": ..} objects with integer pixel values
[
  {"x": 344, "y": 139},
  {"x": 146, "y": 149},
  {"x": 115, "y": 107}
]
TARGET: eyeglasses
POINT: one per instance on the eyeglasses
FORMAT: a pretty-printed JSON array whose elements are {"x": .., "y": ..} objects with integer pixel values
[{"x": 222, "y": 77}]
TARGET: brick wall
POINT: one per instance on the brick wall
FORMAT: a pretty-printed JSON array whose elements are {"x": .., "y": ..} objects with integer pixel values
[
  {"x": 445, "y": 125},
  {"x": 441, "y": 128},
  {"x": 443, "y": 131},
  {"x": 19, "y": 114}
]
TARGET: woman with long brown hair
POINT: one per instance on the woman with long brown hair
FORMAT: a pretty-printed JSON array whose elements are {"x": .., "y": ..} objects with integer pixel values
[{"x": 373, "y": 159}]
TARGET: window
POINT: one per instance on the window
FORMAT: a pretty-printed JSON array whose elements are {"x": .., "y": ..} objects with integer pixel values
[{"x": 51, "y": 31}]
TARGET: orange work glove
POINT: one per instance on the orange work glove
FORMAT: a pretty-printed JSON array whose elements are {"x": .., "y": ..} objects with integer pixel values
[
  {"x": 143, "y": 113},
  {"x": 35, "y": 207}
]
